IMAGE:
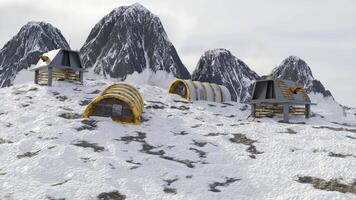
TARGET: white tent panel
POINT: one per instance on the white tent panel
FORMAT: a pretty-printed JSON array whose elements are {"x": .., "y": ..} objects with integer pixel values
[
  {"x": 191, "y": 89},
  {"x": 227, "y": 95},
  {"x": 217, "y": 93}
]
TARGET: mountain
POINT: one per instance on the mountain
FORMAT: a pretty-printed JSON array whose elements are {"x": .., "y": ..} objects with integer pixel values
[
  {"x": 130, "y": 39},
  {"x": 296, "y": 69},
  {"x": 220, "y": 66},
  {"x": 26, "y": 46}
]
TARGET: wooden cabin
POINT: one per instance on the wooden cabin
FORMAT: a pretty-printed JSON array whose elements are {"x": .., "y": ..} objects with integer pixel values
[
  {"x": 274, "y": 97},
  {"x": 58, "y": 65}
]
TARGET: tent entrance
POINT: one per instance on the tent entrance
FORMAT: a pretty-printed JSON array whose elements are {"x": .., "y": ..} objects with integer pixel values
[
  {"x": 112, "y": 108},
  {"x": 180, "y": 89}
]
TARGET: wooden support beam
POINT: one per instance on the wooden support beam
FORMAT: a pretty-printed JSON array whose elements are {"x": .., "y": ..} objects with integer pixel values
[
  {"x": 49, "y": 76},
  {"x": 286, "y": 113}
]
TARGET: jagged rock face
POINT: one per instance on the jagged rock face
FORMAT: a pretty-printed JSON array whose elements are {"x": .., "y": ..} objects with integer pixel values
[
  {"x": 130, "y": 39},
  {"x": 221, "y": 67},
  {"x": 24, "y": 49},
  {"x": 297, "y": 70}
]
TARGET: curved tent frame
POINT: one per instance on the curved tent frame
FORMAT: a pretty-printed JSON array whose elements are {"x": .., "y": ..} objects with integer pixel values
[
  {"x": 195, "y": 91},
  {"x": 121, "y": 94}
]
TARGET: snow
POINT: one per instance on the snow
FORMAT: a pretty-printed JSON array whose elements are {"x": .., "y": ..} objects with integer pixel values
[
  {"x": 24, "y": 76},
  {"x": 159, "y": 78},
  {"x": 199, "y": 132}
]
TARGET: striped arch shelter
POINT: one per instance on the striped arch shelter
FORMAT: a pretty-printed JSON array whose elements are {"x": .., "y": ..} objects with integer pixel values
[
  {"x": 196, "y": 90},
  {"x": 122, "y": 102}
]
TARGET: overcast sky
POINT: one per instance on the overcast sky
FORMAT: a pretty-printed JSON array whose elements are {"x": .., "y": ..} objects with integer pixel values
[{"x": 261, "y": 33}]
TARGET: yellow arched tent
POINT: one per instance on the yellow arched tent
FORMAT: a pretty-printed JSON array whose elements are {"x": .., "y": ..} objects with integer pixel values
[
  {"x": 122, "y": 102},
  {"x": 195, "y": 90}
]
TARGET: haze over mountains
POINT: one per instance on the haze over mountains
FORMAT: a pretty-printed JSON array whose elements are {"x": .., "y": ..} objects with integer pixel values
[{"x": 132, "y": 39}]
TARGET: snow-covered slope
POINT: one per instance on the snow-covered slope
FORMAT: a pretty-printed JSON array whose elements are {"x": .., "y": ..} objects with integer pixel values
[
  {"x": 131, "y": 39},
  {"x": 221, "y": 67},
  {"x": 295, "y": 69},
  {"x": 25, "y": 47},
  {"x": 199, "y": 150}
]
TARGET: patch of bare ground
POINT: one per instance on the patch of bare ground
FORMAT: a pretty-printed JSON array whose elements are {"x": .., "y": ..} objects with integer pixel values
[
  {"x": 28, "y": 154},
  {"x": 86, "y": 144},
  {"x": 328, "y": 185},
  {"x": 242, "y": 139},
  {"x": 213, "y": 186},
  {"x": 152, "y": 150},
  {"x": 113, "y": 195},
  {"x": 335, "y": 129}
]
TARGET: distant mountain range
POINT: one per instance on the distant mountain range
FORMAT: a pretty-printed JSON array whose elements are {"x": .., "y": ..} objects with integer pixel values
[{"x": 132, "y": 39}]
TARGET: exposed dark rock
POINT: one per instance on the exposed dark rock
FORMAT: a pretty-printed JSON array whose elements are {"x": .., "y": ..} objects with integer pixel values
[
  {"x": 137, "y": 164},
  {"x": 28, "y": 154},
  {"x": 85, "y": 102},
  {"x": 213, "y": 186},
  {"x": 70, "y": 116},
  {"x": 114, "y": 195},
  {"x": 196, "y": 126},
  {"x": 180, "y": 133},
  {"x": 170, "y": 190},
  {"x": 85, "y": 144},
  {"x": 335, "y": 129},
  {"x": 290, "y": 131},
  {"x": 215, "y": 134},
  {"x": 188, "y": 163},
  {"x": 61, "y": 183},
  {"x": 180, "y": 107},
  {"x": 89, "y": 124},
  {"x": 170, "y": 181},
  {"x": 339, "y": 155},
  {"x": 66, "y": 108},
  {"x": 199, "y": 143},
  {"x": 3, "y": 141},
  {"x": 61, "y": 98},
  {"x": 242, "y": 139},
  {"x": 202, "y": 154},
  {"x": 348, "y": 136},
  {"x": 95, "y": 92},
  {"x": 53, "y": 198},
  {"x": 139, "y": 138},
  {"x": 185, "y": 102},
  {"x": 332, "y": 185}
]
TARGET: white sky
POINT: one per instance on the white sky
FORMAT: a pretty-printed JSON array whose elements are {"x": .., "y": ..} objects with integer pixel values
[{"x": 261, "y": 33}]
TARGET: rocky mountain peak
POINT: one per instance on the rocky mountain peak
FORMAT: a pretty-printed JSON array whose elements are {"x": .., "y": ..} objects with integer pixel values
[
  {"x": 296, "y": 69},
  {"x": 220, "y": 66},
  {"x": 130, "y": 39}
]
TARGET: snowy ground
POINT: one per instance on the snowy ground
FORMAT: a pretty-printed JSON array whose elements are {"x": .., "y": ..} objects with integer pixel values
[{"x": 199, "y": 150}]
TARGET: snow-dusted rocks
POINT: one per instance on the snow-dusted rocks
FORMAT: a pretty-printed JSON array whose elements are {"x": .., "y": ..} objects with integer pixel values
[
  {"x": 296, "y": 69},
  {"x": 130, "y": 39},
  {"x": 25, "y": 47},
  {"x": 221, "y": 67}
]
